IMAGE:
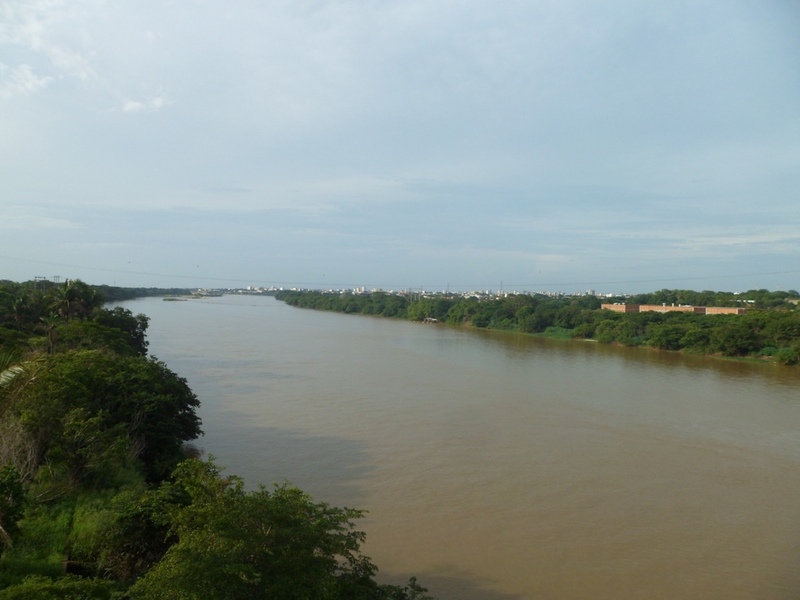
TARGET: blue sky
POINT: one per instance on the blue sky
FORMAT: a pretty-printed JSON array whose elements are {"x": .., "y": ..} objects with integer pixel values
[{"x": 565, "y": 145}]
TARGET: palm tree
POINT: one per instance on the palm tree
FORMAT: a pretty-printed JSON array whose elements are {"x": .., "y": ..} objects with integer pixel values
[
  {"x": 76, "y": 299},
  {"x": 10, "y": 367},
  {"x": 20, "y": 307},
  {"x": 50, "y": 324},
  {"x": 89, "y": 299},
  {"x": 18, "y": 447},
  {"x": 6, "y": 305},
  {"x": 65, "y": 296}
]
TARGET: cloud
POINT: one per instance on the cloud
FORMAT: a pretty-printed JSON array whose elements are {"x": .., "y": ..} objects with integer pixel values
[
  {"x": 151, "y": 105},
  {"x": 735, "y": 241},
  {"x": 21, "y": 81},
  {"x": 31, "y": 219},
  {"x": 50, "y": 33}
]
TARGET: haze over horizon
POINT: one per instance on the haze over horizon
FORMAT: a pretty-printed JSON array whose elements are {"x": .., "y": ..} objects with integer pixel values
[{"x": 534, "y": 145}]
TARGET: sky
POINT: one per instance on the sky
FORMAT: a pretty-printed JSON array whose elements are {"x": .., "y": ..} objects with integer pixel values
[{"x": 537, "y": 145}]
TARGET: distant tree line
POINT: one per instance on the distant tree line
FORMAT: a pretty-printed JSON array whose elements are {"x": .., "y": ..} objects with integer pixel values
[
  {"x": 101, "y": 497},
  {"x": 770, "y": 328},
  {"x": 118, "y": 294}
]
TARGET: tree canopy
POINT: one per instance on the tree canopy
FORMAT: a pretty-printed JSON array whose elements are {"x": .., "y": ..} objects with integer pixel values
[{"x": 272, "y": 544}]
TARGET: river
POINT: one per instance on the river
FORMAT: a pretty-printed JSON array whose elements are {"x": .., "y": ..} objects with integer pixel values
[{"x": 498, "y": 466}]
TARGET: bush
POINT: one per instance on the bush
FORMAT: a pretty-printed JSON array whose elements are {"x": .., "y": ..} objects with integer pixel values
[{"x": 788, "y": 356}]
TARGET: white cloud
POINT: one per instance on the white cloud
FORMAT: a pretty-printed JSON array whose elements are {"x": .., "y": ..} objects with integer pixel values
[
  {"x": 21, "y": 81},
  {"x": 71, "y": 62},
  {"x": 740, "y": 240},
  {"x": 53, "y": 30},
  {"x": 151, "y": 105},
  {"x": 31, "y": 219}
]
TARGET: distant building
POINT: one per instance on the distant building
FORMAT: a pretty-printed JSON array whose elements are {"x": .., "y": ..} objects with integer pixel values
[
  {"x": 621, "y": 308},
  {"x": 663, "y": 308},
  {"x": 724, "y": 310}
]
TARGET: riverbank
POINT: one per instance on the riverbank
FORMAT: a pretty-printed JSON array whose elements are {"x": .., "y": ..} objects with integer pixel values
[{"x": 760, "y": 334}]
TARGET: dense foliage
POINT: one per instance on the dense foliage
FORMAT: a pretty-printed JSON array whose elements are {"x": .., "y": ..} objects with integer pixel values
[
  {"x": 770, "y": 328},
  {"x": 117, "y": 294},
  {"x": 101, "y": 498}
]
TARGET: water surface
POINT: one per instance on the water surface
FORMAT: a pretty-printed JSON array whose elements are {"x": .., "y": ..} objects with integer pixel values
[{"x": 497, "y": 466}]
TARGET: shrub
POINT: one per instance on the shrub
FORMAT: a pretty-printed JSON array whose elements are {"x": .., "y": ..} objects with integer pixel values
[{"x": 788, "y": 356}]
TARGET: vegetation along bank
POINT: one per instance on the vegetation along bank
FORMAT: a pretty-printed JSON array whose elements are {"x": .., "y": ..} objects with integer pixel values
[
  {"x": 768, "y": 328},
  {"x": 100, "y": 495}
]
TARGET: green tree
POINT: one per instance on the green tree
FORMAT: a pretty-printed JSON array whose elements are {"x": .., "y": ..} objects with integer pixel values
[
  {"x": 134, "y": 398},
  {"x": 50, "y": 325},
  {"x": 138, "y": 534},
  {"x": 76, "y": 299},
  {"x": 462, "y": 312},
  {"x": 116, "y": 330},
  {"x": 88, "y": 448},
  {"x": 697, "y": 338},
  {"x": 734, "y": 338},
  {"x": 783, "y": 329},
  {"x": 12, "y": 496},
  {"x": 605, "y": 330},
  {"x": 628, "y": 332},
  {"x": 264, "y": 544},
  {"x": 788, "y": 356},
  {"x": 667, "y": 336},
  {"x": 10, "y": 368}
]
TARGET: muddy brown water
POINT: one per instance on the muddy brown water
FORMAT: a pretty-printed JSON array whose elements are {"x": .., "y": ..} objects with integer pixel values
[{"x": 504, "y": 467}]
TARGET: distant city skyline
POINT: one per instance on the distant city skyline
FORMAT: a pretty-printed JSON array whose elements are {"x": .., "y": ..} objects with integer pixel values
[
  {"x": 541, "y": 146},
  {"x": 178, "y": 281}
]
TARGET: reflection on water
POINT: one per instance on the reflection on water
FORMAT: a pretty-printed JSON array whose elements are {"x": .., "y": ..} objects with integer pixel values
[{"x": 499, "y": 466}]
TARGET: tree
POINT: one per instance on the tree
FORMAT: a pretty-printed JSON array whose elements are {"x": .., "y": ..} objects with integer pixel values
[
  {"x": 666, "y": 336},
  {"x": 20, "y": 308},
  {"x": 50, "y": 326},
  {"x": 696, "y": 338},
  {"x": 605, "y": 330},
  {"x": 17, "y": 449},
  {"x": 9, "y": 368},
  {"x": 76, "y": 299},
  {"x": 85, "y": 334},
  {"x": 88, "y": 448},
  {"x": 462, "y": 312},
  {"x": 788, "y": 356},
  {"x": 11, "y": 504},
  {"x": 264, "y": 544},
  {"x": 130, "y": 398},
  {"x": 138, "y": 535},
  {"x": 783, "y": 329},
  {"x": 734, "y": 338}
]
